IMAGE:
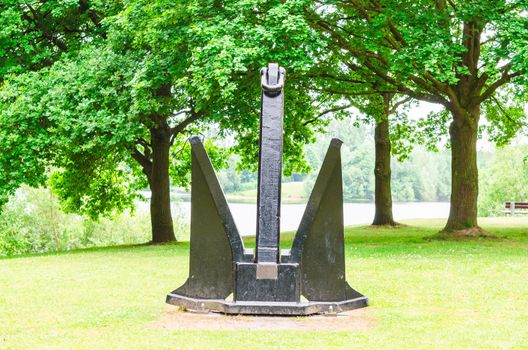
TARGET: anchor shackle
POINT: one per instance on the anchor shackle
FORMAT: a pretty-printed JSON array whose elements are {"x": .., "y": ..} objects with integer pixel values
[{"x": 272, "y": 78}]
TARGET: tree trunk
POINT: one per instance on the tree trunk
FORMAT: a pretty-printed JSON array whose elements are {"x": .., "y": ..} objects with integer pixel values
[
  {"x": 464, "y": 172},
  {"x": 382, "y": 173},
  {"x": 160, "y": 209}
]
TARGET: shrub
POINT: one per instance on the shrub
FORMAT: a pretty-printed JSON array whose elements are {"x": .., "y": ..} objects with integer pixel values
[{"x": 33, "y": 222}]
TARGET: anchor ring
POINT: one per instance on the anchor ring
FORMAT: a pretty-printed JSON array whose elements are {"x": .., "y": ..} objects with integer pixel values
[{"x": 272, "y": 87}]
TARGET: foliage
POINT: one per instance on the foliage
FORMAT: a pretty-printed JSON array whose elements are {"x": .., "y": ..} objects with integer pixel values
[
  {"x": 24, "y": 143},
  {"x": 429, "y": 51},
  {"x": 147, "y": 69},
  {"x": 504, "y": 180},
  {"x": 459, "y": 54},
  {"x": 88, "y": 86},
  {"x": 58, "y": 103},
  {"x": 411, "y": 39},
  {"x": 231, "y": 180},
  {"x": 33, "y": 222},
  {"x": 434, "y": 129},
  {"x": 423, "y": 176},
  {"x": 345, "y": 91},
  {"x": 35, "y": 34},
  {"x": 506, "y": 116},
  {"x": 246, "y": 37}
]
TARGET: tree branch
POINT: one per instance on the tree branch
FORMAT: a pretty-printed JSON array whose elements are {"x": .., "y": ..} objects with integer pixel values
[
  {"x": 398, "y": 104},
  {"x": 84, "y": 7},
  {"x": 145, "y": 163},
  {"x": 505, "y": 113},
  {"x": 35, "y": 18},
  {"x": 330, "y": 110},
  {"x": 194, "y": 116},
  {"x": 434, "y": 89},
  {"x": 505, "y": 78}
]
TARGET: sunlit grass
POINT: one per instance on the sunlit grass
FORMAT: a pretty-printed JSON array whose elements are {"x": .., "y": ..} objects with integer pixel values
[
  {"x": 291, "y": 193},
  {"x": 424, "y": 294}
]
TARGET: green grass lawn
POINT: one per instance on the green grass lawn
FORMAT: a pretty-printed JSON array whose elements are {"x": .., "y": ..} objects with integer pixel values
[{"x": 423, "y": 294}]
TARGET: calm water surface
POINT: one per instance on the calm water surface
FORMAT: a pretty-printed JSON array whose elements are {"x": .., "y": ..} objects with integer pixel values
[{"x": 245, "y": 215}]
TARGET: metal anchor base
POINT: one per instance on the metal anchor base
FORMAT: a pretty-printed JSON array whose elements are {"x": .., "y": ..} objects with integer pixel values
[{"x": 266, "y": 307}]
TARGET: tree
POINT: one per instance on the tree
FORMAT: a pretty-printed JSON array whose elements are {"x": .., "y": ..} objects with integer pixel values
[
  {"x": 370, "y": 96},
  {"x": 36, "y": 34},
  {"x": 454, "y": 53},
  {"x": 115, "y": 116},
  {"x": 385, "y": 109}
]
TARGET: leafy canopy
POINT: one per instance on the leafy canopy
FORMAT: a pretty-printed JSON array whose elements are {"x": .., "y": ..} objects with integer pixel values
[{"x": 179, "y": 67}]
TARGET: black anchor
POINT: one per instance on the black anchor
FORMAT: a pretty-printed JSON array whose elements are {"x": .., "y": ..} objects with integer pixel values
[{"x": 268, "y": 280}]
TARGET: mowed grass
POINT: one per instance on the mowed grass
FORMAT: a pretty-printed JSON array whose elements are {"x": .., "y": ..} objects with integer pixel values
[
  {"x": 424, "y": 294},
  {"x": 291, "y": 193}
]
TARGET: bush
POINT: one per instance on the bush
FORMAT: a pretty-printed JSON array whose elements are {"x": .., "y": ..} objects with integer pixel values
[
  {"x": 33, "y": 222},
  {"x": 504, "y": 180}
]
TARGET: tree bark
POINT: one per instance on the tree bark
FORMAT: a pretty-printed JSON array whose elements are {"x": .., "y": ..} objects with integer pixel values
[
  {"x": 160, "y": 209},
  {"x": 464, "y": 172},
  {"x": 382, "y": 174}
]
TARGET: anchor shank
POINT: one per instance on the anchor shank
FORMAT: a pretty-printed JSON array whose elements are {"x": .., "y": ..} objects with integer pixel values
[{"x": 270, "y": 165}]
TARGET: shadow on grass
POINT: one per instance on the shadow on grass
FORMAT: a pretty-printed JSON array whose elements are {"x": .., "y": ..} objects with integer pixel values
[
  {"x": 116, "y": 248},
  {"x": 408, "y": 236}
]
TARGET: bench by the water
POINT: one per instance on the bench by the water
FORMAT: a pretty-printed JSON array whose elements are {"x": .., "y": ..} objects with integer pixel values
[{"x": 513, "y": 208}]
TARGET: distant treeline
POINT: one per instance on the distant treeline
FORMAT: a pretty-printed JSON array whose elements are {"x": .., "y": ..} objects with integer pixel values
[{"x": 424, "y": 176}]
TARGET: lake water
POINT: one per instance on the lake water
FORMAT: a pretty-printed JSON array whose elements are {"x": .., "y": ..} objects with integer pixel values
[{"x": 245, "y": 215}]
